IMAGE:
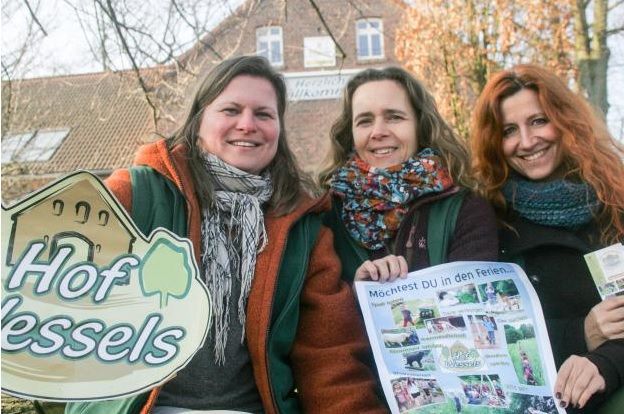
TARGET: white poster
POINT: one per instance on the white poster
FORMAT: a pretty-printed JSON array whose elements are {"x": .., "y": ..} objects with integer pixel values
[{"x": 463, "y": 334}]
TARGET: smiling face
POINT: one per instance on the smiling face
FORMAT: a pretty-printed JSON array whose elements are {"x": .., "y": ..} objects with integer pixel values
[
  {"x": 241, "y": 126},
  {"x": 384, "y": 124},
  {"x": 531, "y": 143}
]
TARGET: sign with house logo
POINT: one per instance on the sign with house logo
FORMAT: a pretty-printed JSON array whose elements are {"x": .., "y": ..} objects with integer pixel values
[{"x": 91, "y": 308}]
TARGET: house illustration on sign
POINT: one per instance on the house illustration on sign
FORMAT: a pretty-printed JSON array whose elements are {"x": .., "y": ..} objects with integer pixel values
[{"x": 71, "y": 212}]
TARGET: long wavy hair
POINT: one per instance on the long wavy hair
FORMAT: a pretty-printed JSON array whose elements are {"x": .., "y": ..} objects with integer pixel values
[
  {"x": 431, "y": 130},
  {"x": 289, "y": 181},
  {"x": 592, "y": 155}
]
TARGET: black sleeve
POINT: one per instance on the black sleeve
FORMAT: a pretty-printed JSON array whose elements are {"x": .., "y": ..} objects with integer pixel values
[{"x": 609, "y": 358}]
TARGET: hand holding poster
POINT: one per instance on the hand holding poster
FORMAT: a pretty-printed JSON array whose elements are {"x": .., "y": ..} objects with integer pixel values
[
  {"x": 91, "y": 308},
  {"x": 463, "y": 333}
]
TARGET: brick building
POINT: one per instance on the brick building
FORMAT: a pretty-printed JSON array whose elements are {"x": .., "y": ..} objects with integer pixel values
[{"x": 53, "y": 126}]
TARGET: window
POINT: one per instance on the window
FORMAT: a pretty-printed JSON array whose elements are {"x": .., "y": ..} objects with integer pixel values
[
  {"x": 36, "y": 146},
  {"x": 270, "y": 45},
  {"x": 369, "y": 34},
  {"x": 12, "y": 143}
]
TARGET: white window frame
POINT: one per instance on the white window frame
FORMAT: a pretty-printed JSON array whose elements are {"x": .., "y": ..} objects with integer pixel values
[
  {"x": 38, "y": 146},
  {"x": 369, "y": 30},
  {"x": 270, "y": 44},
  {"x": 12, "y": 144}
]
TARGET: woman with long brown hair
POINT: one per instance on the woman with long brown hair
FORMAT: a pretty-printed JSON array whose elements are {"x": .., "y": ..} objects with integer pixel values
[{"x": 394, "y": 163}]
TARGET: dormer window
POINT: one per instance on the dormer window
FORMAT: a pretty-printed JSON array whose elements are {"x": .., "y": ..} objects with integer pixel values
[{"x": 38, "y": 146}]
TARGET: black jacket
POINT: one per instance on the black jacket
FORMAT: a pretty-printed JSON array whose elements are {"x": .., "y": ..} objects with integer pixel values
[{"x": 553, "y": 260}]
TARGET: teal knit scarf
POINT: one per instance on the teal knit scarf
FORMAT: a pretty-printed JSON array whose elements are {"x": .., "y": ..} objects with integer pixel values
[{"x": 559, "y": 203}]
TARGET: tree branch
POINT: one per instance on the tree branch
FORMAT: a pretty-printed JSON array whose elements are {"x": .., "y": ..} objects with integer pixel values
[
  {"x": 8, "y": 86},
  {"x": 615, "y": 5},
  {"x": 34, "y": 16},
  {"x": 197, "y": 38},
  {"x": 110, "y": 12},
  {"x": 322, "y": 19}
]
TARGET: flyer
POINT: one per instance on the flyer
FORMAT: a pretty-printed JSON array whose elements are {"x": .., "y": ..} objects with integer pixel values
[
  {"x": 458, "y": 335},
  {"x": 607, "y": 269}
]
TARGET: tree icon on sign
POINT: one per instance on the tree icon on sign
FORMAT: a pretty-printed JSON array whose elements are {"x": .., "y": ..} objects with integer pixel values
[{"x": 165, "y": 271}]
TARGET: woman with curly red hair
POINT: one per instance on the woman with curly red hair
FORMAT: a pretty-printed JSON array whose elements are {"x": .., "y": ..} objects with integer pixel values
[{"x": 555, "y": 176}]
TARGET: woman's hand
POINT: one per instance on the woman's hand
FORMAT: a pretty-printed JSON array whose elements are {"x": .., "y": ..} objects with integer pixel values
[
  {"x": 605, "y": 321},
  {"x": 382, "y": 270},
  {"x": 577, "y": 380}
]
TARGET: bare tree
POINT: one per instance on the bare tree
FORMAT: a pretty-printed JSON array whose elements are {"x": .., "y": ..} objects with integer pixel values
[
  {"x": 455, "y": 45},
  {"x": 18, "y": 55},
  {"x": 592, "y": 54},
  {"x": 122, "y": 34},
  {"x": 120, "y": 30}
]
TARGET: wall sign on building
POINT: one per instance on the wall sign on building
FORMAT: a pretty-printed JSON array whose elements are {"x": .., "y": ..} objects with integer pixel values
[
  {"x": 319, "y": 51},
  {"x": 310, "y": 86}
]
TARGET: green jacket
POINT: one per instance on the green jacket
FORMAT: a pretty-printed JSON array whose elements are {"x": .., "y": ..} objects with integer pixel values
[{"x": 296, "y": 290}]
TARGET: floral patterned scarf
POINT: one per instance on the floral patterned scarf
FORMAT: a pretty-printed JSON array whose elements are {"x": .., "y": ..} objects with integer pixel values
[{"x": 375, "y": 200}]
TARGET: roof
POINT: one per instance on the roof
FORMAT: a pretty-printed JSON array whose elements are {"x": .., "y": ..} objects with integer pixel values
[{"x": 106, "y": 114}]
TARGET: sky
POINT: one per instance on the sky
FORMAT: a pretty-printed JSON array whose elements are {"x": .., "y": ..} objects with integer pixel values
[{"x": 65, "y": 49}]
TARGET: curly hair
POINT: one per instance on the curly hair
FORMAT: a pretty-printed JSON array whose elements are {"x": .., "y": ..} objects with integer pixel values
[
  {"x": 289, "y": 181},
  {"x": 431, "y": 130},
  {"x": 585, "y": 139}
]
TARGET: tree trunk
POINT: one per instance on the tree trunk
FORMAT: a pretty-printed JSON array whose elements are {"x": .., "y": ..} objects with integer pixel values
[{"x": 592, "y": 53}]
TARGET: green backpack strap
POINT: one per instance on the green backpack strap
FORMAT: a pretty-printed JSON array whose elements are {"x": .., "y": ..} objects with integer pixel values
[
  {"x": 301, "y": 241},
  {"x": 351, "y": 253},
  {"x": 441, "y": 226},
  {"x": 285, "y": 312},
  {"x": 156, "y": 202}
]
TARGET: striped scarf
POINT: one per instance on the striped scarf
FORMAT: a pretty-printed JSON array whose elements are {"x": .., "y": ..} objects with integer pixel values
[
  {"x": 375, "y": 200},
  {"x": 233, "y": 234}
]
